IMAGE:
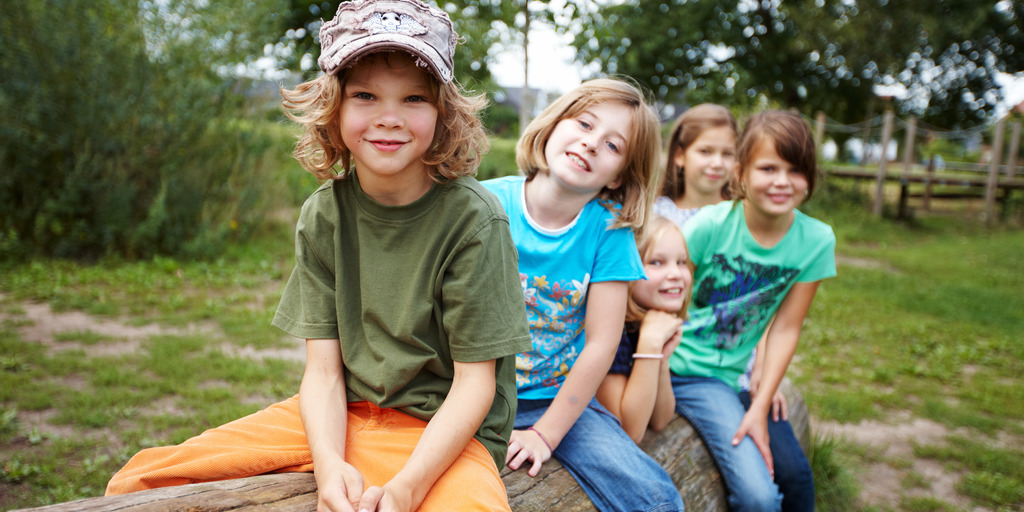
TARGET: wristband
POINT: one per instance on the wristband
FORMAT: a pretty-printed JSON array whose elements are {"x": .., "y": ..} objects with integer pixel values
[
  {"x": 648, "y": 356},
  {"x": 542, "y": 438}
]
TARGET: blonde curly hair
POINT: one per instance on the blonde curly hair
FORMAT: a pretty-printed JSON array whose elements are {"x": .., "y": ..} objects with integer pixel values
[{"x": 459, "y": 140}]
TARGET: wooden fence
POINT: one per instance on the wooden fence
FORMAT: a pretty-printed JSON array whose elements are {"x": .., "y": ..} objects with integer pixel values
[{"x": 995, "y": 180}]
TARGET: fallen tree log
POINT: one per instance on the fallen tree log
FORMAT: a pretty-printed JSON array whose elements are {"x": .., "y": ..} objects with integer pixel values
[{"x": 677, "y": 448}]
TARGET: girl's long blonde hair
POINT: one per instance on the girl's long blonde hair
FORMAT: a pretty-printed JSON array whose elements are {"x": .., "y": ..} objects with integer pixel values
[
  {"x": 642, "y": 172},
  {"x": 657, "y": 227},
  {"x": 459, "y": 139}
]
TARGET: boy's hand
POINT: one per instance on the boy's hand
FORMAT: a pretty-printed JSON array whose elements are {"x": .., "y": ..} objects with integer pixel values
[
  {"x": 756, "y": 426},
  {"x": 385, "y": 499},
  {"x": 526, "y": 445},
  {"x": 339, "y": 487}
]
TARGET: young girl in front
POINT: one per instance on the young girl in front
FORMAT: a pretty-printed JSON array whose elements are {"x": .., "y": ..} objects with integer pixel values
[
  {"x": 638, "y": 389},
  {"x": 405, "y": 289},
  {"x": 701, "y": 160},
  {"x": 756, "y": 257},
  {"x": 590, "y": 162}
]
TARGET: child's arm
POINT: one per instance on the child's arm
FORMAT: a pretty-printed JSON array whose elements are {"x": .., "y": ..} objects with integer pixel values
[
  {"x": 605, "y": 316},
  {"x": 635, "y": 400},
  {"x": 781, "y": 343},
  {"x": 665, "y": 406},
  {"x": 445, "y": 437},
  {"x": 324, "y": 410},
  {"x": 780, "y": 408}
]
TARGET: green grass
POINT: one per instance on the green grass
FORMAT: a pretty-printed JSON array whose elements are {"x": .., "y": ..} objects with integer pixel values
[
  {"x": 925, "y": 317},
  {"x": 923, "y": 320}
]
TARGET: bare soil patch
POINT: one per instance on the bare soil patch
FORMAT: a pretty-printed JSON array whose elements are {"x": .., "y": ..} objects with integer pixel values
[
  {"x": 882, "y": 483},
  {"x": 37, "y": 322}
]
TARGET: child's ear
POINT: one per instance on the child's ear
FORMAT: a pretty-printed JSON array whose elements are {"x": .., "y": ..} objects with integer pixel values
[
  {"x": 615, "y": 184},
  {"x": 679, "y": 157}
]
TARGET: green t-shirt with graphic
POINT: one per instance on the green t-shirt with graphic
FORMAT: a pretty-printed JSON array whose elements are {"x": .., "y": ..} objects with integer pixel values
[{"x": 738, "y": 286}]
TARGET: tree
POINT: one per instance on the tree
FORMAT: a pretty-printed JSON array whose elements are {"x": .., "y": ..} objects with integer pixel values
[
  {"x": 814, "y": 54},
  {"x": 127, "y": 138}
]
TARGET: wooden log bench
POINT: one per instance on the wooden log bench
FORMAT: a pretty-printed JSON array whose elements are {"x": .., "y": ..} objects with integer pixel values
[{"x": 677, "y": 448}]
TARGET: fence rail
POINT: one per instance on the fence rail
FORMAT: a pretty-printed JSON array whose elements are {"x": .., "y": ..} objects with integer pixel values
[{"x": 999, "y": 174}]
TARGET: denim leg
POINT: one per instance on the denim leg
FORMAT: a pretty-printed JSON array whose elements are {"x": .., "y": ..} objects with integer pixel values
[
  {"x": 715, "y": 412},
  {"x": 793, "y": 472},
  {"x": 614, "y": 472}
]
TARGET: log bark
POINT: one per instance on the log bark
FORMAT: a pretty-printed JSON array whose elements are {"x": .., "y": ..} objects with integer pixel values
[{"x": 678, "y": 449}]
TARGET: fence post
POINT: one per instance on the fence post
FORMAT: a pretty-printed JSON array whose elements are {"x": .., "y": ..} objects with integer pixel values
[
  {"x": 908, "y": 145},
  {"x": 880, "y": 185},
  {"x": 819, "y": 129},
  {"x": 866, "y": 135},
  {"x": 928, "y": 180},
  {"x": 1011, "y": 164},
  {"x": 993, "y": 172}
]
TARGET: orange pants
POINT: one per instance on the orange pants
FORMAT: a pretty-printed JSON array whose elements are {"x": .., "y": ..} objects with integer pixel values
[{"x": 379, "y": 442}]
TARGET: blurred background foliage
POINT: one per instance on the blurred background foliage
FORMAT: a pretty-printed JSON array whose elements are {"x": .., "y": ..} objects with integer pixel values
[
  {"x": 142, "y": 127},
  {"x": 123, "y": 135}
]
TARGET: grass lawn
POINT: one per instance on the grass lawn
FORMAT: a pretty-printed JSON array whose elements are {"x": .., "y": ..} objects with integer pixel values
[{"x": 919, "y": 335}]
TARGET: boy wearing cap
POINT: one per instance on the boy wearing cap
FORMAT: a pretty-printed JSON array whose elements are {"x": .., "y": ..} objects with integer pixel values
[{"x": 405, "y": 288}]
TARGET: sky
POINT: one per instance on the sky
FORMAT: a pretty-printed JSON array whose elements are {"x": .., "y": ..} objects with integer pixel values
[{"x": 551, "y": 62}]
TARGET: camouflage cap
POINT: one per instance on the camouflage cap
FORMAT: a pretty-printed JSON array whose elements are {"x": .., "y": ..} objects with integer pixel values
[{"x": 364, "y": 26}]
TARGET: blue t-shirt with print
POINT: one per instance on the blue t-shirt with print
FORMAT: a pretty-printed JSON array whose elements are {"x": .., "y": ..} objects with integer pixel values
[{"x": 555, "y": 269}]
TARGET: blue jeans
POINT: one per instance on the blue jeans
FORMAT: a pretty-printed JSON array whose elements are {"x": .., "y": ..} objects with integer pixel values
[
  {"x": 614, "y": 472},
  {"x": 715, "y": 411},
  {"x": 793, "y": 472}
]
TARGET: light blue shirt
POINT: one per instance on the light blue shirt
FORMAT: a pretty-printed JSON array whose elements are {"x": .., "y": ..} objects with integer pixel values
[{"x": 556, "y": 268}]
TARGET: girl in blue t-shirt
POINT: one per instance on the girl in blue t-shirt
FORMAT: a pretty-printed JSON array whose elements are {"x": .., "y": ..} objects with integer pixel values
[
  {"x": 590, "y": 163},
  {"x": 756, "y": 258}
]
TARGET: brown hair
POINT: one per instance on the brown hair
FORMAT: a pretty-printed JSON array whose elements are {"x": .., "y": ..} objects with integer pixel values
[
  {"x": 657, "y": 226},
  {"x": 642, "y": 171},
  {"x": 687, "y": 129},
  {"x": 793, "y": 142},
  {"x": 459, "y": 140}
]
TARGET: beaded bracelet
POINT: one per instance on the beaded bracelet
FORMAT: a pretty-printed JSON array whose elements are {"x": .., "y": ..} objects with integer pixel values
[
  {"x": 648, "y": 356},
  {"x": 542, "y": 438}
]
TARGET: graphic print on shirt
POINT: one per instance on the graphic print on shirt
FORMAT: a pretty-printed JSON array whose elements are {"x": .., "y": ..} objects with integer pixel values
[
  {"x": 555, "y": 313},
  {"x": 740, "y": 293}
]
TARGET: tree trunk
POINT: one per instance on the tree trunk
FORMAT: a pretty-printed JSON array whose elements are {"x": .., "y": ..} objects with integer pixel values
[{"x": 677, "y": 448}]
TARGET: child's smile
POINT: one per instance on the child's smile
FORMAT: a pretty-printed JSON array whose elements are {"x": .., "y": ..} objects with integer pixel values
[
  {"x": 388, "y": 118},
  {"x": 668, "y": 276},
  {"x": 774, "y": 188},
  {"x": 585, "y": 154},
  {"x": 709, "y": 160}
]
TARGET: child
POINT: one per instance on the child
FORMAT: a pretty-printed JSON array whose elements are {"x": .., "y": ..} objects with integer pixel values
[
  {"x": 405, "y": 288},
  {"x": 700, "y": 167},
  {"x": 590, "y": 161},
  {"x": 700, "y": 164},
  {"x": 638, "y": 389},
  {"x": 756, "y": 258}
]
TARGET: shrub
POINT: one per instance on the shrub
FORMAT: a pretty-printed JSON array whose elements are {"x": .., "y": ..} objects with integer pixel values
[
  {"x": 499, "y": 161},
  {"x": 120, "y": 144}
]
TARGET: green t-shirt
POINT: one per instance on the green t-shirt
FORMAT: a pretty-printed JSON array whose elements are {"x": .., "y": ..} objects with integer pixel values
[
  {"x": 738, "y": 286},
  {"x": 408, "y": 290}
]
